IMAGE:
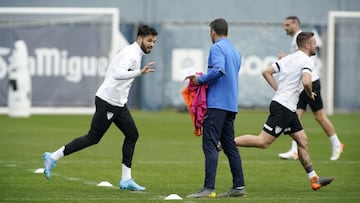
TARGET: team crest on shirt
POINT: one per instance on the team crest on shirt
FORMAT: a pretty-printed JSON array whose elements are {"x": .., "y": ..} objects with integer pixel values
[
  {"x": 278, "y": 129},
  {"x": 109, "y": 115}
]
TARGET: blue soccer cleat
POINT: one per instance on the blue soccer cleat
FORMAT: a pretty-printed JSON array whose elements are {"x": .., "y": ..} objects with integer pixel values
[
  {"x": 49, "y": 164},
  {"x": 130, "y": 185}
]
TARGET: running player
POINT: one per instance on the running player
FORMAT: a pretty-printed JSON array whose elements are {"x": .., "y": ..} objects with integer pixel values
[
  {"x": 294, "y": 74},
  {"x": 292, "y": 28}
]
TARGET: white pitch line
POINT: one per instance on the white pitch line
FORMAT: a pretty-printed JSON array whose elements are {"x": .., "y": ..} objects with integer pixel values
[
  {"x": 12, "y": 164},
  {"x": 99, "y": 199},
  {"x": 277, "y": 161},
  {"x": 246, "y": 161}
]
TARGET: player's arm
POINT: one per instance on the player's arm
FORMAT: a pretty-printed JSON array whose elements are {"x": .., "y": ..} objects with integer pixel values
[
  {"x": 268, "y": 75},
  {"x": 126, "y": 69},
  {"x": 215, "y": 67},
  {"x": 306, "y": 80}
]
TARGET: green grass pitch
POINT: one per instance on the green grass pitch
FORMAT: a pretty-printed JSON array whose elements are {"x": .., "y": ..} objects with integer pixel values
[{"x": 169, "y": 159}]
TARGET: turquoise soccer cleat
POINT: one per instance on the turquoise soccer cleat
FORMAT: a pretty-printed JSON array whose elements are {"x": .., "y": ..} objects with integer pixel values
[
  {"x": 49, "y": 164},
  {"x": 130, "y": 185}
]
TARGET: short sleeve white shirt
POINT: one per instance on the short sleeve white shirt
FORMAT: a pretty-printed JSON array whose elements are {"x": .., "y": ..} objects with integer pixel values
[{"x": 290, "y": 70}]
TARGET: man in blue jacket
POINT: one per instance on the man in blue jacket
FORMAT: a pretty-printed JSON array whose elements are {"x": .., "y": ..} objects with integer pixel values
[{"x": 222, "y": 103}]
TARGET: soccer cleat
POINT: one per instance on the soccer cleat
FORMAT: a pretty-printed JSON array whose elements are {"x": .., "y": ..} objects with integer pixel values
[
  {"x": 336, "y": 152},
  {"x": 290, "y": 155},
  {"x": 318, "y": 182},
  {"x": 49, "y": 164},
  {"x": 205, "y": 192},
  {"x": 235, "y": 192},
  {"x": 130, "y": 185}
]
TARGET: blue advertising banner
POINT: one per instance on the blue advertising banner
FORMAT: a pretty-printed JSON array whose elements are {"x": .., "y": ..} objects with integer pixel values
[{"x": 66, "y": 63}]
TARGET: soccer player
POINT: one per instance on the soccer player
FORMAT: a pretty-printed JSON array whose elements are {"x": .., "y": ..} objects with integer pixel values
[
  {"x": 110, "y": 103},
  {"x": 292, "y": 28},
  {"x": 294, "y": 74},
  {"x": 222, "y": 95}
]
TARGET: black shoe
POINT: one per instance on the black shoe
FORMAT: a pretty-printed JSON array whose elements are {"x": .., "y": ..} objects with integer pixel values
[{"x": 235, "y": 192}]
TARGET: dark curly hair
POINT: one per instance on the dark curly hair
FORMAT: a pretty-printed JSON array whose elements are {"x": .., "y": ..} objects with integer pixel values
[{"x": 144, "y": 30}]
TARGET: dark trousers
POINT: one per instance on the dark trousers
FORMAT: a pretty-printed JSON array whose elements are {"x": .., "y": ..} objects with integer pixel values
[
  {"x": 219, "y": 126},
  {"x": 104, "y": 115}
]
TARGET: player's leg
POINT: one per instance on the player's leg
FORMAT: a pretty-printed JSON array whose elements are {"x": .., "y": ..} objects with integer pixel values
[
  {"x": 292, "y": 154},
  {"x": 304, "y": 157},
  {"x": 328, "y": 127},
  {"x": 273, "y": 127},
  {"x": 212, "y": 129},
  {"x": 99, "y": 125},
  {"x": 263, "y": 140},
  {"x": 298, "y": 134},
  {"x": 125, "y": 122},
  {"x": 325, "y": 123},
  {"x": 302, "y": 144},
  {"x": 233, "y": 155}
]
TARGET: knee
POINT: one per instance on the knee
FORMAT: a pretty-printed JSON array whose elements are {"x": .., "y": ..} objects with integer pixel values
[
  {"x": 320, "y": 117},
  {"x": 93, "y": 138},
  {"x": 211, "y": 157},
  {"x": 260, "y": 143},
  {"x": 263, "y": 144},
  {"x": 264, "y": 140},
  {"x": 132, "y": 137}
]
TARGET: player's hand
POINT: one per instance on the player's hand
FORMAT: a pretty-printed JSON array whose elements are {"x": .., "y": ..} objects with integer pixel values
[
  {"x": 281, "y": 55},
  {"x": 193, "y": 78},
  {"x": 148, "y": 68},
  {"x": 313, "y": 95}
]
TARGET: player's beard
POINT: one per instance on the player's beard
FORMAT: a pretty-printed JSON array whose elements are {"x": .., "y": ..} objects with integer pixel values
[
  {"x": 313, "y": 52},
  {"x": 289, "y": 32},
  {"x": 145, "y": 50}
]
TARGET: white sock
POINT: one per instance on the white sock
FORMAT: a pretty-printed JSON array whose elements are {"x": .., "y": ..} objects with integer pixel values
[
  {"x": 126, "y": 172},
  {"x": 58, "y": 154},
  {"x": 334, "y": 140},
  {"x": 311, "y": 174},
  {"x": 293, "y": 146}
]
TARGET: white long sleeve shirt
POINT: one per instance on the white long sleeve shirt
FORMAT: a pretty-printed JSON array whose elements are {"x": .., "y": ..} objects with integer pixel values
[{"x": 120, "y": 75}]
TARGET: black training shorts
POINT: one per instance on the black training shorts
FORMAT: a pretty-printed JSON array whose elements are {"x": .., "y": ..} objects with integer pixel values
[
  {"x": 280, "y": 120},
  {"x": 305, "y": 100}
]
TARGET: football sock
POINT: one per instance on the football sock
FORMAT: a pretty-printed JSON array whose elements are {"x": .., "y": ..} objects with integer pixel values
[
  {"x": 335, "y": 140},
  {"x": 126, "y": 172},
  {"x": 58, "y": 154},
  {"x": 293, "y": 146},
  {"x": 311, "y": 174}
]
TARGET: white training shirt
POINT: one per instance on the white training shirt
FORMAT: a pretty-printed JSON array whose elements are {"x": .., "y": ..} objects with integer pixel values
[
  {"x": 290, "y": 69},
  {"x": 120, "y": 74},
  {"x": 293, "y": 47}
]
